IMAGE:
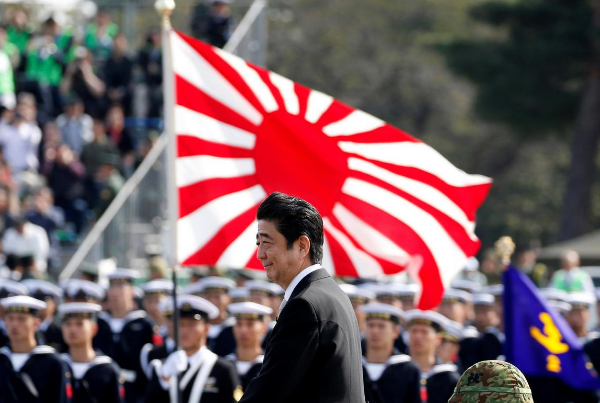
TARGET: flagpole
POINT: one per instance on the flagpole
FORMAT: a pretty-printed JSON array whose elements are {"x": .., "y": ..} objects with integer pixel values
[{"x": 165, "y": 10}]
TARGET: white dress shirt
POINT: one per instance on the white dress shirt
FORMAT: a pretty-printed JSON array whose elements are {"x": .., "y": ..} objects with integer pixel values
[{"x": 289, "y": 291}]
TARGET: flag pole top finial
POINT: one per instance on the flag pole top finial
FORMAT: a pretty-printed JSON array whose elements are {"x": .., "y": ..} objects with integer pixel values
[
  {"x": 505, "y": 247},
  {"x": 165, "y": 9}
]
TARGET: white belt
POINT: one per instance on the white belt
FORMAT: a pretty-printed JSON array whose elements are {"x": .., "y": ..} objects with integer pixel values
[{"x": 128, "y": 375}]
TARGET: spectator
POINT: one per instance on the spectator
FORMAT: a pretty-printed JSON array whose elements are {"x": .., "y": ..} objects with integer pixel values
[
  {"x": 99, "y": 147},
  {"x": 47, "y": 58},
  {"x": 571, "y": 278},
  {"x": 120, "y": 135},
  {"x": 51, "y": 140},
  {"x": 527, "y": 263},
  {"x": 26, "y": 248},
  {"x": 108, "y": 182},
  {"x": 20, "y": 137},
  {"x": 75, "y": 126},
  {"x": 219, "y": 23},
  {"x": 66, "y": 176},
  {"x": 81, "y": 80},
  {"x": 6, "y": 218},
  {"x": 150, "y": 61},
  {"x": 44, "y": 213},
  {"x": 11, "y": 50},
  {"x": 7, "y": 81},
  {"x": 100, "y": 35},
  {"x": 118, "y": 74},
  {"x": 19, "y": 34}
]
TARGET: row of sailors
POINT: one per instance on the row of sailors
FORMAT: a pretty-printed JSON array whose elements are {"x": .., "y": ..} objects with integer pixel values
[{"x": 466, "y": 330}]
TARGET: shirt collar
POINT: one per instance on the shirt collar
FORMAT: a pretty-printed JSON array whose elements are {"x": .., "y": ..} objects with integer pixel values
[{"x": 289, "y": 291}]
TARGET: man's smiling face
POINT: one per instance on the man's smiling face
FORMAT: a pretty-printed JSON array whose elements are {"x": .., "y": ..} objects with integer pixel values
[{"x": 280, "y": 262}]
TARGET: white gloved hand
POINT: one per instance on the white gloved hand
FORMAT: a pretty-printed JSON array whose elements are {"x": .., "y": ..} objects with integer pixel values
[{"x": 174, "y": 364}]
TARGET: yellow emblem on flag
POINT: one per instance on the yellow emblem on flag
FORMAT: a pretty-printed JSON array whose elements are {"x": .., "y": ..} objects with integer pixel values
[{"x": 550, "y": 337}]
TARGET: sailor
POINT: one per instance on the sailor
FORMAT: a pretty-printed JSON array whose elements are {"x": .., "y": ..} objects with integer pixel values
[
  {"x": 455, "y": 307},
  {"x": 29, "y": 372},
  {"x": 94, "y": 377},
  {"x": 8, "y": 288},
  {"x": 202, "y": 376},
  {"x": 151, "y": 352},
  {"x": 239, "y": 294},
  {"x": 449, "y": 351},
  {"x": 437, "y": 378},
  {"x": 130, "y": 329},
  {"x": 156, "y": 291},
  {"x": 389, "y": 377},
  {"x": 216, "y": 290},
  {"x": 579, "y": 315},
  {"x": 249, "y": 330},
  {"x": 358, "y": 298},
  {"x": 407, "y": 294},
  {"x": 77, "y": 290},
  {"x": 49, "y": 332},
  {"x": 487, "y": 321}
]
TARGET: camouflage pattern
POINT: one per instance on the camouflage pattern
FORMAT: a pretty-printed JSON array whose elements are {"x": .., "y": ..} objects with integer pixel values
[{"x": 492, "y": 381}]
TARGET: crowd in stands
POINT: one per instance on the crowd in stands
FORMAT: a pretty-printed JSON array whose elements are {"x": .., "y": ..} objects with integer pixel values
[{"x": 66, "y": 146}]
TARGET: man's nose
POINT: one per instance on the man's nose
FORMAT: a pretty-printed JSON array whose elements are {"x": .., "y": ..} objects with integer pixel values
[{"x": 260, "y": 253}]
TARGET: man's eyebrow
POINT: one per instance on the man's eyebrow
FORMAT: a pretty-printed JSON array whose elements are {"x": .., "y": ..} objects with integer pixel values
[{"x": 263, "y": 234}]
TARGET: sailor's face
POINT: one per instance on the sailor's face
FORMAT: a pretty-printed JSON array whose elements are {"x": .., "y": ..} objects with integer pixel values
[
  {"x": 249, "y": 332},
  {"x": 78, "y": 331},
  {"x": 381, "y": 332},
  {"x": 20, "y": 326},
  {"x": 192, "y": 333},
  {"x": 422, "y": 338}
]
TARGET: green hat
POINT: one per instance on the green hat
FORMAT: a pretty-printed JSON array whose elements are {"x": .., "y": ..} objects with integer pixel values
[{"x": 492, "y": 381}]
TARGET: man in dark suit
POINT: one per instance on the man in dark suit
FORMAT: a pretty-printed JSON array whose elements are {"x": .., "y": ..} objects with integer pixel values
[{"x": 313, "y": 353}]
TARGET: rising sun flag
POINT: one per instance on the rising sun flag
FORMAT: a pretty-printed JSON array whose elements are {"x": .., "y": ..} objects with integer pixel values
[{"x": 389, "y": 202}]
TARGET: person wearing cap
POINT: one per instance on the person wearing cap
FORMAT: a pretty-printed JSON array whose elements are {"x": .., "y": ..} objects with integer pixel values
[
  {"x": 492, "y": 382},
  {"x": 449, "y": 350},
  {"x": 249, "y": 330},
  {"x": 239, "y": 294},
  {"x": 151, "y": 352},
  {"x": 407, "y": 294},
  {"x": 130, "y": 329},
  {"x": 579, "y": 315},
  {"x": 216, "y": 290},
  {"x": 491, "y": 339},
  {"x": 48, "y": 332},
  {"x": 359, "y": 297},
  {"x": 29, "y": 371},
  {"x": 8, "y": 288},
  {"x": 204, "y": 377},
  {"x": 156, "y": 291},
  {"x": 94, "y": 377},
  {"x": 389, "y": 377},
  {"x": 425, "y": 335},
  {"x": 454, "y": 305},
  {"x": 313, "y": 353}
]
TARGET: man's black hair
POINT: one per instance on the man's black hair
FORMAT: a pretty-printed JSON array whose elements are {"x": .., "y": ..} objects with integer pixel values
[{"x": 294, "y": 217}]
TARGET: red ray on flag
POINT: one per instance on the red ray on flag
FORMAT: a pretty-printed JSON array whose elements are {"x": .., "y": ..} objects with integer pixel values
[{"x": 389, "y": 202}]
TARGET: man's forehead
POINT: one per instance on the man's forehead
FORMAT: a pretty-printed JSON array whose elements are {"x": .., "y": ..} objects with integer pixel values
[{"x": 266, "y": 228}]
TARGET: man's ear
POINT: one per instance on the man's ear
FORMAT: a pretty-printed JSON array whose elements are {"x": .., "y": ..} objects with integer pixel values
[{"x": 303, "y": 245}]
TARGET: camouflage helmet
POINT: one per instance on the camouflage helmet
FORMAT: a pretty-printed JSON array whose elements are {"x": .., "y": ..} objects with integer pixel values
[{"x": 492, "y": 381}]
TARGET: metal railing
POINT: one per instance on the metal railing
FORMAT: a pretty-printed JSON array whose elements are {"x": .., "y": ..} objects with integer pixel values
[{"x": 137, "y": 217}]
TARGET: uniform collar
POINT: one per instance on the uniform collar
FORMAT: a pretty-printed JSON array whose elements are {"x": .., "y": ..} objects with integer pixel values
[{"x": 298, "y": 278}]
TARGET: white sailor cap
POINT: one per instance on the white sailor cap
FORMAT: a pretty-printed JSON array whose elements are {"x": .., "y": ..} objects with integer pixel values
[
  {"x": 262, "y": 287},
  {"x": 453, "y": 331},
  {"x": 123, "y": 275},
  {"x": 165, "y": 306},
  {"x": 483, "y": 299},
  {"x": 382, "y": 311},
  {"x": 497, "y": 290},
  {"x": 216, "y": 283},
  {"x": 158, "y": 286},
  {"x": 581, "y": 300},
  {"x": 456, "y": 295},
  {"x": 83, "y": 290},
  {"x": 9, "y": 288},
  {"x": 84, "y": 310},
  {"x": 192, "y": 306},
  {"x": 249, "y": 310},
  {"x": 466, "y": 285},
  {"x": 429, "y": 318},
  {"x": 554, "y": 294},
  {"x": 357, "y": 294},
  {"x": 193, "y": 288},
  {"x": 381, "y": 290},
  {"x": 23, "y": 304},
  {"x": 239, "y": 294},
  {"x": 41, "y": 289},
  {"x": 406, "y": 291},
  {"x": 561, "y": 307}
]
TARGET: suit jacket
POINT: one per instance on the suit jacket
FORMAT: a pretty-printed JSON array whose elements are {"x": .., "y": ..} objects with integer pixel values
[{"x": 313, "y": 354}]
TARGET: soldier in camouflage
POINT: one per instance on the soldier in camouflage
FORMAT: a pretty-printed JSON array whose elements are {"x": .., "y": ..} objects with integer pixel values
[{"x": 492, "y": 381}]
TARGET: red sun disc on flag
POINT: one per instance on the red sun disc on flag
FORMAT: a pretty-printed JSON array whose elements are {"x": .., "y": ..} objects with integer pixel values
[{"x": 389, "y": 202}]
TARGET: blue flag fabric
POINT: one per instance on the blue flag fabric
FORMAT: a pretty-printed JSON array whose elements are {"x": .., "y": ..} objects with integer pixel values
[{"x": 538, "y": 339}]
